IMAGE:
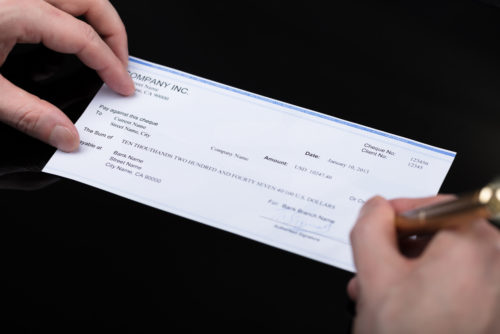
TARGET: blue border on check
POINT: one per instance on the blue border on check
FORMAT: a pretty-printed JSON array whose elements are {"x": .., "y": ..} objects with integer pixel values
[{"x": 291, "y": 106}]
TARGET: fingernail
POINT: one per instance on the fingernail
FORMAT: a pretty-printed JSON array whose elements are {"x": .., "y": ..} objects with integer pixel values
[
  {"x": 131, "y": 87},
  {"x": 62, "y": 138},
  {"x": 128, "y": 86}
]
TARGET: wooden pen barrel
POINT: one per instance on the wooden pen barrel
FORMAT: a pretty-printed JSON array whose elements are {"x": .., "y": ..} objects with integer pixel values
[
  {"x": 414, "y": 226},
  {"x": 484, "y": 203}
]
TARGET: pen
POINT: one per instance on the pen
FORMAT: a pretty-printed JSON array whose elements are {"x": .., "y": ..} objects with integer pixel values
[{"x": 483, "y": 203}]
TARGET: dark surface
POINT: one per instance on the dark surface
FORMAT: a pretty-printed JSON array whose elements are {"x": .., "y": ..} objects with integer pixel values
[{"x": 77, "y": 259}]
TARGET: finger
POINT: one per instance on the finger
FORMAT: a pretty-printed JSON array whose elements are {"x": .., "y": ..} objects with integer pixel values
[
  {"x": 36, "y": 117},
  {"x": 479, "y": 235},
  {"x": 406, "y": 204},
  {"x": 374, "y": 240},
  {"x": 487, "y": 236},
  {"x": 64, "y": 33},
  {"x": 352, "y": 289},
  {"x": 103, "y": 17}
]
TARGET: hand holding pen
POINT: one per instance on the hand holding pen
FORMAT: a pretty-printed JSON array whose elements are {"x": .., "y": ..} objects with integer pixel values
[
  {"x": 451, "y": 286},
  {"x": 466, "y": 208}
]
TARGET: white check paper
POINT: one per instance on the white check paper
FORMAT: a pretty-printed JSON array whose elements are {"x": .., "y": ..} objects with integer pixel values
[{"x": 263, "y": 169}]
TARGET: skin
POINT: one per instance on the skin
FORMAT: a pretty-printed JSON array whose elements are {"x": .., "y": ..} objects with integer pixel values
[
  {"x": 452, "y": 286},
  {"x": 101, "y": 44}
]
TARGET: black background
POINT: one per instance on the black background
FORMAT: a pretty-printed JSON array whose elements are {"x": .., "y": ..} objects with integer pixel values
[{"x": 78, "y": 259}]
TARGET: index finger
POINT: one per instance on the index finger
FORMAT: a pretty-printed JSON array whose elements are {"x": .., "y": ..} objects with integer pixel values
[
  {"x": 104, "y": 18},
  {"x": 64, "y": 33}
]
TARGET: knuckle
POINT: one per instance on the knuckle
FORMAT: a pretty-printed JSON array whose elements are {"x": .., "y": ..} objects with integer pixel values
[
  {"x": 89, "y": 34},
  {"x": 15, "y": 18},
  {"x": 27, "y": 121}
]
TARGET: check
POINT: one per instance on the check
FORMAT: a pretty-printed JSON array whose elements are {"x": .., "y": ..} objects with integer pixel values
[{"x": 263, "y": 169}]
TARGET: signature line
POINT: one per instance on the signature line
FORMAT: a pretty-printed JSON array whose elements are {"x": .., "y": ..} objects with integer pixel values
[{"x": 307, "y": 231}]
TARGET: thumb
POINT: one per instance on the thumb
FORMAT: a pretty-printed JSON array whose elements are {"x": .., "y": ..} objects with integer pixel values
[
  {"x": 374, "y": 242},
  {"x": 35, "y": 117}
]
